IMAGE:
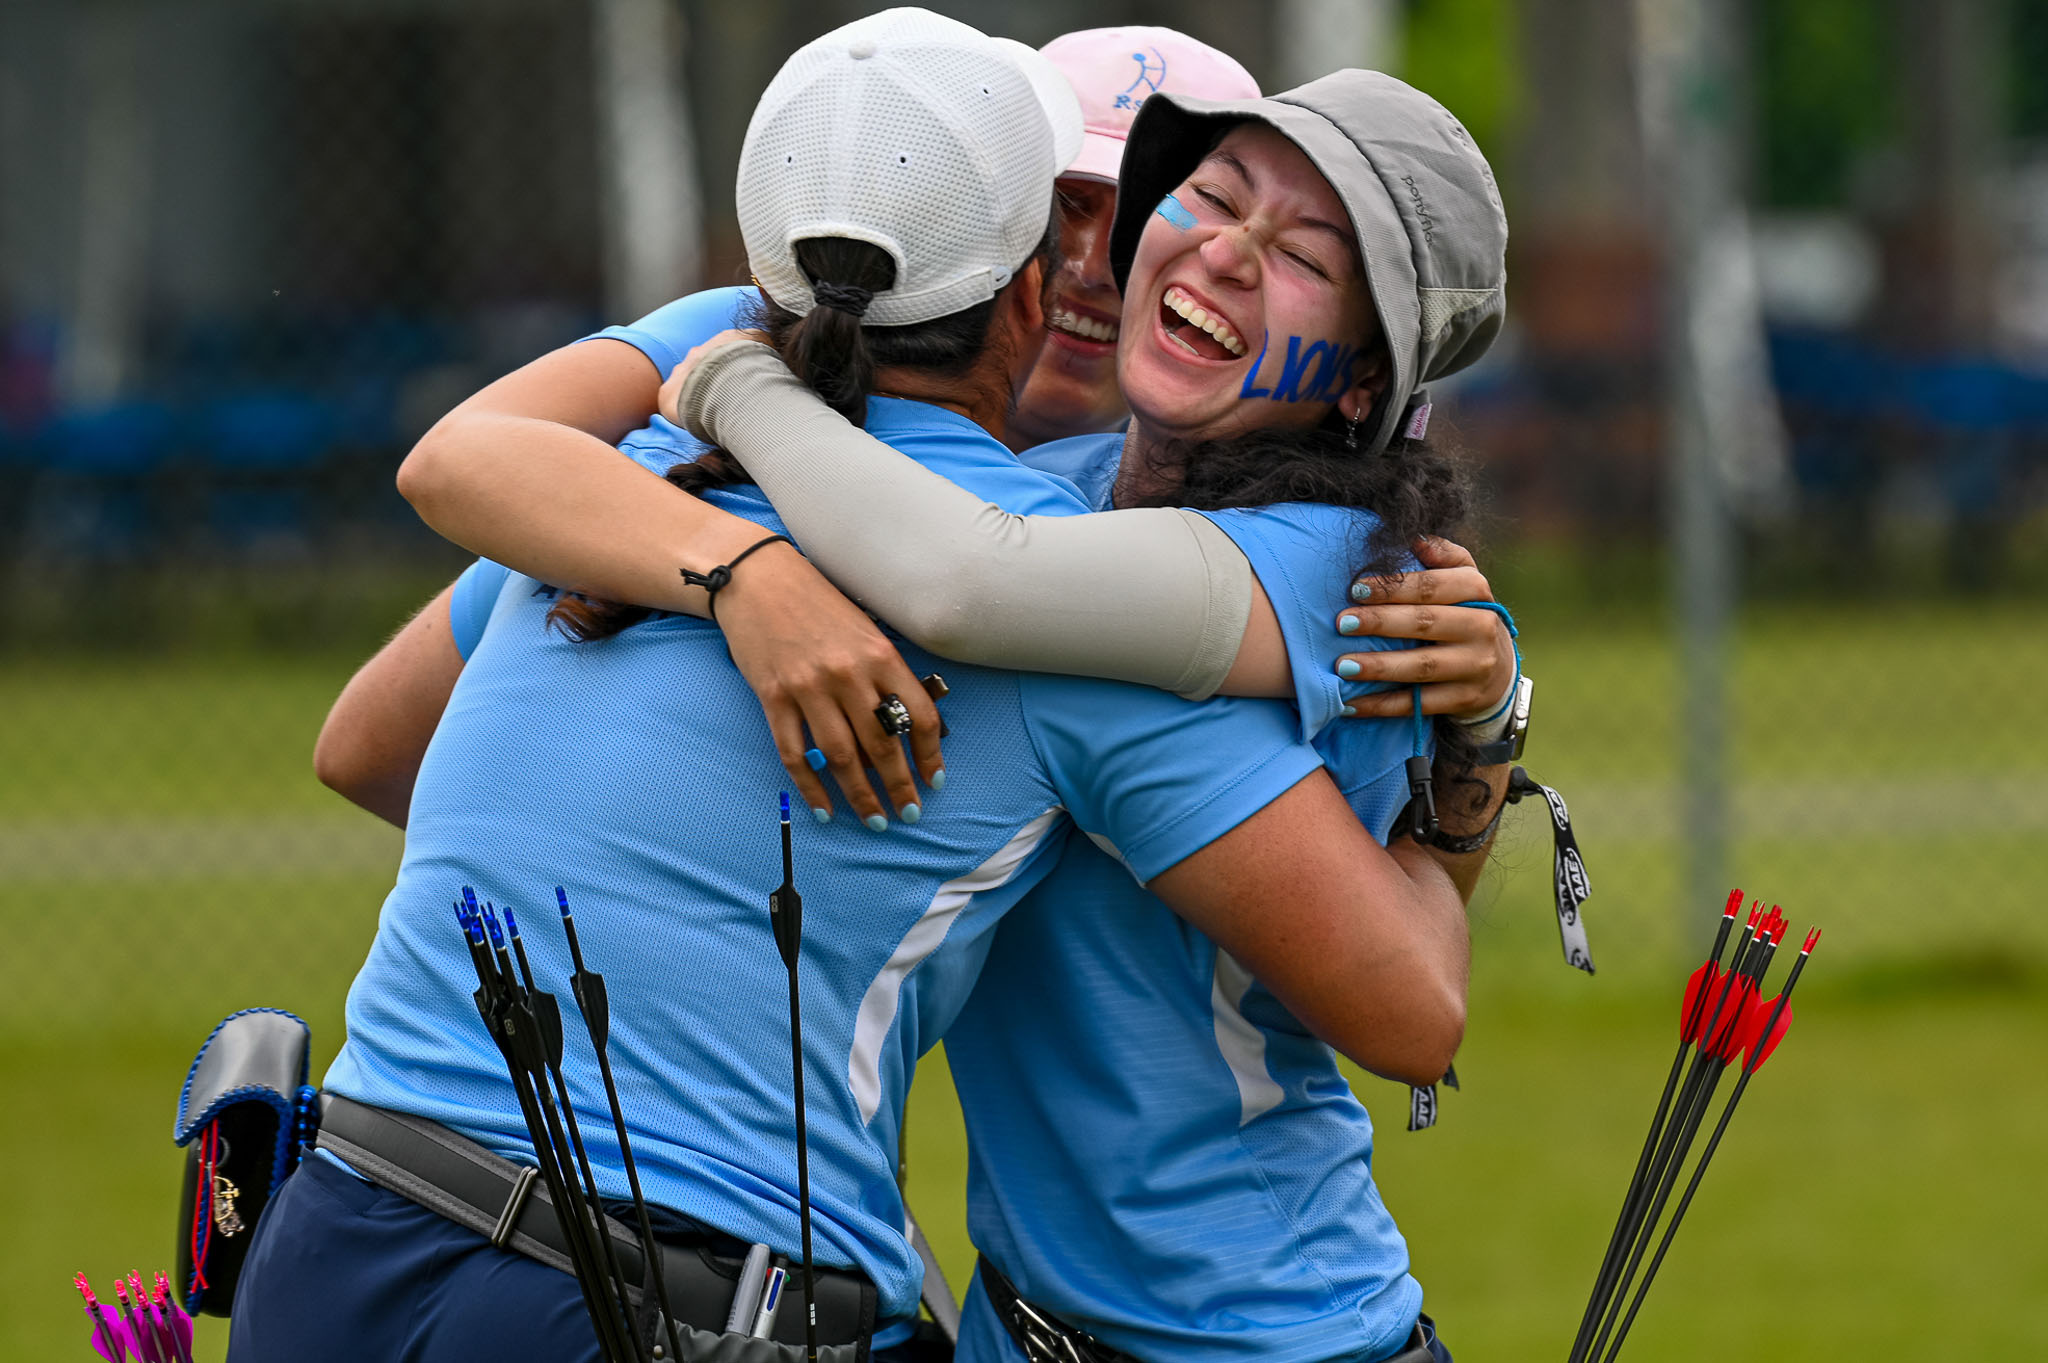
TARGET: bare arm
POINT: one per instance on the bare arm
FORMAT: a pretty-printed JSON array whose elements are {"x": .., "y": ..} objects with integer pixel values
[
  {"x": 1365, "y": 944},
  {"x": 369, "y": 749},
  {"x": 526, "y": 472}
]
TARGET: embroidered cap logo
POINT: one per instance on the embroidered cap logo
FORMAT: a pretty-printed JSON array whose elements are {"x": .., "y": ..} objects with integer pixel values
[{"x": 1151, "y": 71}]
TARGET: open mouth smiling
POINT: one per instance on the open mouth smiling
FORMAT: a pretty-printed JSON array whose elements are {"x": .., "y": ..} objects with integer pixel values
[
  {"x": 1063, "y": 320},
  {"x": 1203, "y": 334}
]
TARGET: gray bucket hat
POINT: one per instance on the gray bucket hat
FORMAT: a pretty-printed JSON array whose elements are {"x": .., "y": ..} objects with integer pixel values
[{"x": 1420, "y": 195}]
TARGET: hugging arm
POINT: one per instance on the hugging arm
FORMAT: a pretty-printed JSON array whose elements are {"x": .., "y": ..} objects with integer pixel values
[
  {"x": 1159, "y": 596},
  {"x": 369, "y": 749},
  {"x": 526, "y": 472},
  {"x": 1365, "y": 944}
]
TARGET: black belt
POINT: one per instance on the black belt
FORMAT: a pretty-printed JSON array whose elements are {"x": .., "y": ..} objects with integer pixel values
[
  {"x": 508, "y": 1205},
  {"x": 1045, "y": 1338}
]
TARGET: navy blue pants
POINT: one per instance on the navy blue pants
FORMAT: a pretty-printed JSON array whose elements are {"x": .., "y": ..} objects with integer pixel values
[{"x": 342, "y": 1270}]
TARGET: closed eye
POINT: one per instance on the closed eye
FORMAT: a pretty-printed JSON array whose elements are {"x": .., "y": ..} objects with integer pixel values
[
  {"x": 1307, "y": 264},
  {"x": 1215, "y": 200}
]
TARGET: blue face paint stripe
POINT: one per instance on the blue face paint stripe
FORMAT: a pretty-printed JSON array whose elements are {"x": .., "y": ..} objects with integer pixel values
[{"x": 1174, "y": 212}]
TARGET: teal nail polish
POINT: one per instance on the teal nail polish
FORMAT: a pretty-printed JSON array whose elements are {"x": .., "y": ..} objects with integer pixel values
[
  {"x": 821, "y": 815},
  {"x": 910, "y": 813},
  {"x": 1349, "y": 712},
  {"x": 877, "y": 823},
  {"x": 938, "y": 781},
  {"x": 1347, "y": 669},
  {"x": 1360, "y": 592},
  {"x": 1347, "y": 624}
]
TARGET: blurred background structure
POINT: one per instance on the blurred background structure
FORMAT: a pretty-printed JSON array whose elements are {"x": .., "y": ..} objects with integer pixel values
[{"x": 1766, "y": 455}]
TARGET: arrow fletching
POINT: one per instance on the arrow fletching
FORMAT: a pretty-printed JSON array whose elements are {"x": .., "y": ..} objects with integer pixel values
[
  {"x": 1756, "y": 1047},
  {"x": 1692, "y": 1015},
  {"x": 1728, "y": 1030}
]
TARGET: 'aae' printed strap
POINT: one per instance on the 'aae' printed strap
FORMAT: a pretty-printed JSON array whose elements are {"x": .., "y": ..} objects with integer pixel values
[
  {"x": 1568, "y": 869},
  {"x": 1422, "y": 1101}
]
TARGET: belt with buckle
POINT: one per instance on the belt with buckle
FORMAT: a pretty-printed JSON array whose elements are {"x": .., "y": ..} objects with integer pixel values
[
  {"x": 1043, "y": 1337},
  {"x": 504, "y": 1202}
]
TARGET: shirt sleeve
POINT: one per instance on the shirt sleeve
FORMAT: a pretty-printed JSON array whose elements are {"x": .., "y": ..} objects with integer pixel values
[
  {"x": 1157, "y": 596},
  {"x": 1306, "y": 555},
  {"x": 1153, "y": 778},
  {"x": 672, "y": 330},
  {"x": 470, "y": 604}
]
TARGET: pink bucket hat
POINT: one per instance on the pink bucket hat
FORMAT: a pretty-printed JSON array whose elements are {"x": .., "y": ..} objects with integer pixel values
[{"x": 1113, "y": 70}]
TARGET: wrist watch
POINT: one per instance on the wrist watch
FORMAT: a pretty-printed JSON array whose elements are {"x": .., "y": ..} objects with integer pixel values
[{"x": 1508, "y": 747}]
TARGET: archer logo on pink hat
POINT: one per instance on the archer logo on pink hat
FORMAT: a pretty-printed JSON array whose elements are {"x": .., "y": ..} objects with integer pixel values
[
  {"x": 1151, "y": 71},
  {"x": 1114, "y": 70}
]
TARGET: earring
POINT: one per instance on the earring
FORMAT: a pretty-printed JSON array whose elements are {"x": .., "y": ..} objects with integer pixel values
[{"x": 1351, "y": 435}]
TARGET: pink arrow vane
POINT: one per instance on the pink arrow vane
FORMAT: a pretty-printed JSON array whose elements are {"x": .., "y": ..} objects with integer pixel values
[{"x": 146, "y": 1326}]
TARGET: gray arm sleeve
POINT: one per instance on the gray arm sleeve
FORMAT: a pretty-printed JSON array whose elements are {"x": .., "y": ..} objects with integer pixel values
[{"x": 1158, "y": 596}]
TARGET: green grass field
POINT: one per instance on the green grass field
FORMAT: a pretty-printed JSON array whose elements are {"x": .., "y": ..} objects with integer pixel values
[{"x": 165, "y": 858}]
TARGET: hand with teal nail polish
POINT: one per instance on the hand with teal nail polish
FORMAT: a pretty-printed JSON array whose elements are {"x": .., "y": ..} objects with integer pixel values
[
  {"x": 1347, "y": 624},
  {"x": 1361, "y": 592},
  {"x": 821, "y": 815},
  {"x": 1347, "y": 668},
  {"x": 910, "y": 813},
  {"x": 938, "y": 781},
  {"x": 877, "y": 823}
]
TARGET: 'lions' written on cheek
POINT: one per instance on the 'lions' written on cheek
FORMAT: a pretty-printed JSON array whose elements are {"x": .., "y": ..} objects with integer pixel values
[{"x": 1322, "y": 371}]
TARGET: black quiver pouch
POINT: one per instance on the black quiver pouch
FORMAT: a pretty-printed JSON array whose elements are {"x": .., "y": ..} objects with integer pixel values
[{"x": 244, "y": 1112}]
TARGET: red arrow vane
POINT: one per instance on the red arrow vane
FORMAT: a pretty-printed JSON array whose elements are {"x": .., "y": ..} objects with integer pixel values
[{"x": 1723, "y": 1015}]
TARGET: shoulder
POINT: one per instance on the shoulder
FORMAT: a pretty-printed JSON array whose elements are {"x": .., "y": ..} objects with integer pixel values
[
  {"x": 671, "y": 330},
  {"x": 962, "y": 452},
  {"x": 1284, "y": 524},
  {"x": 1089, "y": 462},
  {"x": 1153, "y": 775}
]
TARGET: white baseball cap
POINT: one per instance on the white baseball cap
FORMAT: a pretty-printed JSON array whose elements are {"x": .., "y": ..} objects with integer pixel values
[{"x": 915, "y": 133}]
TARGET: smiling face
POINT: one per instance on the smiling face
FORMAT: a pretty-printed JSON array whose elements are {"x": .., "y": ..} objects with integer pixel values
[
  {"x": 1073, "y": 389},
  {"x": 1247, "y": 307}
]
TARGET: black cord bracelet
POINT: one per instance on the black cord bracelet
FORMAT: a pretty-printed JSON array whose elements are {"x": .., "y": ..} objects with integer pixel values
[
  {"x": 1458, "y": 845},
  {"x": 719, "y": 578}
]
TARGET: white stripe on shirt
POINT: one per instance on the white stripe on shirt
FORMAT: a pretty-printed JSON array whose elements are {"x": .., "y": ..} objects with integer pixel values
[{"x": 878, "y": 1005}]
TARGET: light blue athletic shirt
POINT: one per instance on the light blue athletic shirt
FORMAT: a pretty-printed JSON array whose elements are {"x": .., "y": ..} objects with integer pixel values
[
  {"x": 1160, "y": 1154},
  {"x": 638, "y": 773}
]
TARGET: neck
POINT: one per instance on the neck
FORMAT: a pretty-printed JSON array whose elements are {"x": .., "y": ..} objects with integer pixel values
[
  {"x": 982, "y": 402},
  {"x": 1143, "y": 476}
]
